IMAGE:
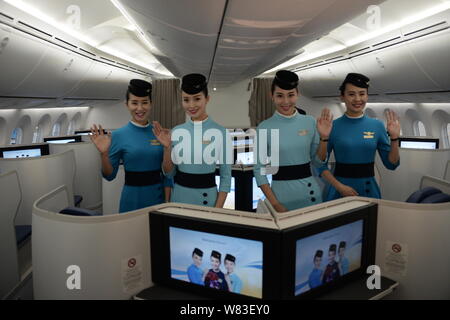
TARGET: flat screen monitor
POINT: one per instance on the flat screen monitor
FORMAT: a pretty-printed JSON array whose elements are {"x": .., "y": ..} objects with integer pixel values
[
  {"x": 257, "y": 192},
  {"x": 29, "y": 151},
  {"x": 230, "y": 202},
  {"x": 86, "y": 132},
  {"x": 245, "y": 157},
  {"x": 326, "y": 254},
  {"x": 62, "y": 140},
  {"x": 417, "y": 143},
  {"x": 244, "y": 141},
  {"x": 214, "y": 258}
]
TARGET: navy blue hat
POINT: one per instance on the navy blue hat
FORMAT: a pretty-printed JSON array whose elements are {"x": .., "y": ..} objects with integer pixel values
[
  {"x": 231, "y": 258},
  {"x": 140, "y": 88},
  {"x": 216, "y": 254},
  {"x": 193, "y": 83},
  {"x": 198, "y": 252},
  {"x": 356, "y": 79},
  {"x": 286, "y": 80}
]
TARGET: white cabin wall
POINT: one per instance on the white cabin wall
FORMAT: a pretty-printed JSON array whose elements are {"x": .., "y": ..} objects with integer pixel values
[
  {"x": 28, "y": 119},
  {"x": 228, "y": 106},
  {"x": 110, "y": 116},
  {"x": 433, "y": 115},
  {"x": 314, "y": 107}
]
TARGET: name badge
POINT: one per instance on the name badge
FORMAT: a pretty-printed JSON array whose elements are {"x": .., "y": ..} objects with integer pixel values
[
  {"x": 369, "y": 135},
  {"x": 206, "y": 141},
  {"x": 155, "y": 143},
  {"x": 303, "y": 133}
]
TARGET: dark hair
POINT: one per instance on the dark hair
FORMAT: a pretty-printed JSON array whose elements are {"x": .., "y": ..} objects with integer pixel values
[
  {"x": 128, "y": 96},
  {"x": 344, "y": 86},
  {"x": 332, "y": 248},
  {"x": 272, "y": 88}
]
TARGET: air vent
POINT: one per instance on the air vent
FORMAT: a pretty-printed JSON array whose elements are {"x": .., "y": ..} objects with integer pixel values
[
  {"x": 35, "y": 29},
  {"x": 335, "y": 58},
  {"x": 386, "y": 41},
  {"x": 6, "y": 16},
  {"x": 315, "y": 63},
  {"x": 112, "y": 61},
  {"x": 430, "y": 29},
  {"x": 68, "y": 43},
  {"x": 88, "y": 52},
  {"x": 358, "y": 51}
]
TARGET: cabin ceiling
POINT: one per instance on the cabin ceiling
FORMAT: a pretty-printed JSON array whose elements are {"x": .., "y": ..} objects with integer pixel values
[
  {"x": 233, "y": 40},
  {"x": 226, "y": 40}
]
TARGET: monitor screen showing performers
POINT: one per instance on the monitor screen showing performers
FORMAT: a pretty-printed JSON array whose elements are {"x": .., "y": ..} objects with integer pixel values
[
  {"x": 322, "y": 254},
  {"x": 327, "y": 256},
  {"x": 216, "y": 261}
]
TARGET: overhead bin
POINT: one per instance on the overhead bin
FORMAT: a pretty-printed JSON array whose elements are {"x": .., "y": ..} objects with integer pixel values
[
  {"x": 329, "y": 77},
  {"x": 405, "y": 61},
  {"x": 50, "y": 68},
  {"x": 25, "y": 50},
  {"x": 58, "y": 72}
]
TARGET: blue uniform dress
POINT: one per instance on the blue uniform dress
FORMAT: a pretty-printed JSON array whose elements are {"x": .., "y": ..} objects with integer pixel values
[
  {"x": 298, "y": 144},
  {"x": 195, "y": 274},
  {"x": 196, "y": 163},
  {"x": 315, "y": 278},
  {"x": 345, "y": 265},
  {"x": 139, "y": 150},
  {"x": 236, "y": 283},
  {"x": 355, "y": 141}
]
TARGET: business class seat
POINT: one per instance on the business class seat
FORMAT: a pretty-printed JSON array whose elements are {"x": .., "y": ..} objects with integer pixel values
[
  {"x": 437, "y": 198},
  {"x": 428, "y": 195},
  {"x": 80, "y": 212},
  {"x": 22, "y": 234}
]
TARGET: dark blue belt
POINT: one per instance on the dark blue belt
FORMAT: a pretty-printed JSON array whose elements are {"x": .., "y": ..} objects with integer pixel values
[
  {"x": 142, "y": 178},
  {"x": 295, "y": 172},
  {"x": 354, "y": 170},
  {"x": 197, "y": 181}
]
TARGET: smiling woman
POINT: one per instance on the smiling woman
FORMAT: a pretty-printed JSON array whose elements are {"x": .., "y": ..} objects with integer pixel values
[
  {"x": 355, "y": 138},
  {"x": 140, "y": 150}
]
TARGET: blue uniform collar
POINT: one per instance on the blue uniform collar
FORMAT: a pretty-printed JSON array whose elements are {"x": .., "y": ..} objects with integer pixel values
[
  {"x": 359, "y": 117},
  {"x": 140, "y": 125},
  {"x": 287, "y": 117},
  {"x": 197, "y": 123}
]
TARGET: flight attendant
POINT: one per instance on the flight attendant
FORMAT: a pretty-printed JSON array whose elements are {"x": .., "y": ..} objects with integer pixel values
[
  {"x": 194, "y": 175},
  {"x": 354, "y": 139},
  {"x": 142, "y": 154},
  {"x": 292, "y": 187}
]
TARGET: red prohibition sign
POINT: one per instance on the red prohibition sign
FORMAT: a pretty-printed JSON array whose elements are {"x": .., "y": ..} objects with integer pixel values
[
  {"x": 131, "y": 263},
  {"x": 396, "y": 248}
]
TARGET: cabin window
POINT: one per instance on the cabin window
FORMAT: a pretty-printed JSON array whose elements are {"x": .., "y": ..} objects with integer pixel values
[
  {"x": 446, "y": 135},
  {"x": 419, "y": 129},
  {"x": 37, "y": 135},
  {"x": 71, "y": 128},
  {"x": 16, "y": 136},
  {"x": 56, "y": 130}
]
